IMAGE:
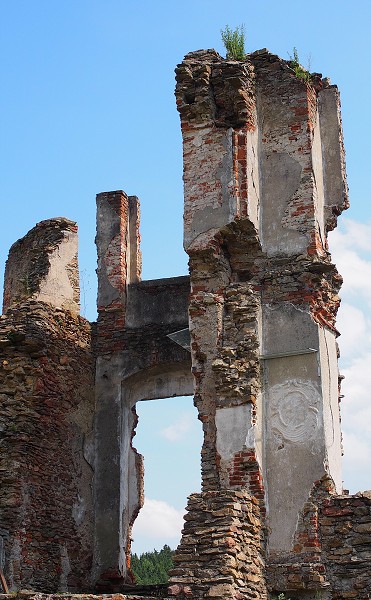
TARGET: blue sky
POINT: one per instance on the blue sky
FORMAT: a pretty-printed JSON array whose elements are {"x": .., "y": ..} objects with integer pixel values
[{"x": 87, "y": 106}]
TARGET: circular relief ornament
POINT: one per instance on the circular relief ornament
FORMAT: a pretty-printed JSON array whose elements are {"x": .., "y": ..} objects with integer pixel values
[{"x": 294, "y": 410}]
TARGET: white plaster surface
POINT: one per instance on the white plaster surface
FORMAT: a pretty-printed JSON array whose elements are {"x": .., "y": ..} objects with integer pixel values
[
  {"x": 294, "y": 439},
  {"x": 108, "y": 470},
  {"x": 331, "y": 414},
  {"x": 128, "y": 485},
  {"x": 65, "y": 569},
  {"x": 318, "y": 177},
  {"x": 79, "y": 510},
  {"x": 233, "y": 430},
  {"x": 210, "y": 201},
  {"x": 253, "y": 176},
  {"x": 335, "y": 184},
  {"x": 165, "y": 383},
  {"x": 281, "y": 180},
  {"x": 294, "y": 447},
  {"x": 56, "y": 288}
]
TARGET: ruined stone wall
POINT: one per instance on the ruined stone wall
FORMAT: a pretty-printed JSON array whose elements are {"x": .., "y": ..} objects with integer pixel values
[
  {"x": 345, "y": 534},
  {"x": 46, "y": 417},
  {"x": 223, "y": 548},
  {"x": 264, "y": 177},
  {"x": 258, "y": 147},
  {"x": 43, "y": 266},
  {"x": 136, "y": 360},
  {"x": 332, "y": 551}
]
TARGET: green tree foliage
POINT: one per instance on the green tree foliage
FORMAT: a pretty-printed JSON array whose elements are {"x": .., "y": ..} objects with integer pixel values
[
  {"x": 152, "y": 567},
  {"x": 234, "y": 42}
]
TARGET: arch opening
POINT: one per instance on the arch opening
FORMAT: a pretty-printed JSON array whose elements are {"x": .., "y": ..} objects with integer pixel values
[{"x": 169, "y": 436}]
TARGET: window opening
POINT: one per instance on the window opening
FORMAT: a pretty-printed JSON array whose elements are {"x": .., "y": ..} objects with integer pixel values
[{"x": 169, "y": 436}]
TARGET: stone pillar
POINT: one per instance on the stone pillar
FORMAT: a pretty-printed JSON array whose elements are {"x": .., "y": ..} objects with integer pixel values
[
  {"x": 264, "y": 181},
  {"x": 217, "y": 104},
  {"x": 42, "y": 266},
  {"x": 119, "y": 263},
  {"x": 220, "y": 236},
  {"x": 221, "y": 548},
  {"x": 119, "y": 259},
  {"x": 136, "y": 359}
]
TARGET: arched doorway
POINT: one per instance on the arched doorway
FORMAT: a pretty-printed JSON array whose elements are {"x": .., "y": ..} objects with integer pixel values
[{"x": 169, "y": 436}]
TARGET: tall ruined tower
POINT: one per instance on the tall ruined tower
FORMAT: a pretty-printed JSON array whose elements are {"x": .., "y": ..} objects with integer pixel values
[{"x": 264, "y": 180}]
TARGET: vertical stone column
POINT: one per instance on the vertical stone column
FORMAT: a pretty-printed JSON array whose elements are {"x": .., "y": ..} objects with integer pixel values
[
  {"x": 216, "y": 101},
  {"x": 119, "y": 263},
  {"x": 119, "y": 259},
  {"x": 47, "y": 369}
]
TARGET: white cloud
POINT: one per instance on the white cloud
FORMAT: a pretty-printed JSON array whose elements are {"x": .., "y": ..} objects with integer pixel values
[
  {"x": 356, "y": 387},
  {"x": 158, "y": 523},
  {"x": 178, "y": 430},
  {"x": 352, "y": 234},
  {"x": 157, "y": 518},
  {"x": 356, "y": 272},
  {"x": 354, "y": 328},
  {"x": 350, "y": 245},
  {"x": 357, "y": 462}
]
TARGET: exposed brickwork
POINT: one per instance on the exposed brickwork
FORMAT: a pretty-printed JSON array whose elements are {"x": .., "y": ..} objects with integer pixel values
[
  {"x": 116, "y": 335},
  {"x": 112, "y": 255},
  {"x": 332, "y": 548},
  {"x": 237, "y": 367},
  {"x": 46, "y": 413},
  {"x": 246, "y": 473},
  {"x": 28, "y": 595},
  {"x": 303, "y": 568},
  {"x": 306, "y": 283},
  {"x": 345, "y": 532},
  {"x": 223, "y": 548},
  {"x": 256, "y": 220}
]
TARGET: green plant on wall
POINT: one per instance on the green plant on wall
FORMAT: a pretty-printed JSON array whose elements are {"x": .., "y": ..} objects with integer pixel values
[
  {"x": 234, "y": 42},
  {"x": 299, "y": 71}
]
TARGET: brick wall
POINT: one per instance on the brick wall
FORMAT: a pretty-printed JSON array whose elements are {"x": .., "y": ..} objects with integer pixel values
[
  {"x": 345, "y": 532},
  {"x": 332, "y": 548}
]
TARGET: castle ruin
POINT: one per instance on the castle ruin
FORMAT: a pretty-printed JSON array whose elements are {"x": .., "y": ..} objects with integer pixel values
[{"x": 251, "y": 334}]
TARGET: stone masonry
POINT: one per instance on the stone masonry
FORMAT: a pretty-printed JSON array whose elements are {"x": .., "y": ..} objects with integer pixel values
[
  {"x": 46, "y": 417},
  {"x": 263, "y": 290},
  {"x": 251, "y": 333}
]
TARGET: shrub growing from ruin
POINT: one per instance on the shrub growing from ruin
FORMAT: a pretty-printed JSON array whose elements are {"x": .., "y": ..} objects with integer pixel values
[
  {"x": 234, "y": 42},
  {"x": 298, "y": 69}
]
